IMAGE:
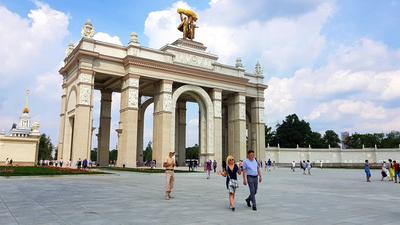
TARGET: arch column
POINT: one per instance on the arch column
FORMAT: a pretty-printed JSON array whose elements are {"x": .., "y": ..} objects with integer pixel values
[
  {"x": 127, "y": 142},
  {"x": 180, "y": 134},
  {"x": 162, "y": 120},
  {"x": 258, "y": 127},
  {"x": 237, "y": 126},
  {"x": 216, "y": 96},
  {"x": 103, "y": 146},
  {"x": 63, "y": 110},
  {"x": 82, "y": 123}
]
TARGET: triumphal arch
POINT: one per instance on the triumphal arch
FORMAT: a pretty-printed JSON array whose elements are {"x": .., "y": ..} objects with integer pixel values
[{"x": 231, "y": 100}]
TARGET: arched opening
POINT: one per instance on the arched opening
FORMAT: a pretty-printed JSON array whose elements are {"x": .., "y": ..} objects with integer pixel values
[
  {"x": 190, "y": 93},
  {"x": 69, "y": 126},
  {"x": 145, "y": 132}
]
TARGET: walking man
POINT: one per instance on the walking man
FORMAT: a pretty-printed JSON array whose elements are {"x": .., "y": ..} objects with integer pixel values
[
  {"x": 215, "y": 165},
  {"x": 367, "y": 171},
  {"x": 251, "y": 171},
  {"x": 293, "y": 165},
  {"x": 169, "y": 165}
]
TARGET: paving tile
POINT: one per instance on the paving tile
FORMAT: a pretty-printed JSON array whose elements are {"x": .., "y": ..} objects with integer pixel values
[{"x": 331, "y": 196}]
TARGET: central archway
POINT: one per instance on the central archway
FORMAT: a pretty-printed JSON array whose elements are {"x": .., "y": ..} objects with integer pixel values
[{"x": 206, "y": 119}]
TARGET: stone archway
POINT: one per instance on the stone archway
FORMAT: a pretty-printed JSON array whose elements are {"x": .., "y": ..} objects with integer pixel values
[
  {"x": 69, "y": 124},
  {"x": 206, "y": 119},
  {"x": 140, "y": 133}
]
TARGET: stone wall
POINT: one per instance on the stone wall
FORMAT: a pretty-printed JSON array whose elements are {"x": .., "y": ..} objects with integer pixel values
[
  {"x": 23, "y": 151},
  {"x": 332, "y": 157}
]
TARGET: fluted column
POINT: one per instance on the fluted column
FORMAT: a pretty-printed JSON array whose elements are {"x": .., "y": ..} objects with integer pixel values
[
  {"x": 258, "y": 127},
  {"x": 82, "y": 123},
  {"x": 180, "y": 132},
  {"x": 162, "y": 121},
  {"x": 103, "y": 146},
  {"x": 237, "y": 126},
  {"x": 216, "y": 95},
  {"x": 60, "y": 146},
  {"x": 127, "y": 142}
]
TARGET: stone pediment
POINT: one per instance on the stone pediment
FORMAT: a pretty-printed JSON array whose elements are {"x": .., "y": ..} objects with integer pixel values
[{"x": 190, "y": 53}]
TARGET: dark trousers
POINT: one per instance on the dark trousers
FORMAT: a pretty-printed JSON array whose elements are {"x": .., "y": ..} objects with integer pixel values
[{"x": 252, "y": 182}]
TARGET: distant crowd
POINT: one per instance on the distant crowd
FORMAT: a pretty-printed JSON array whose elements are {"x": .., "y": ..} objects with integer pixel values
[
  {"x": 389, "y": 171},
  {"x": 80, "y": 164}
]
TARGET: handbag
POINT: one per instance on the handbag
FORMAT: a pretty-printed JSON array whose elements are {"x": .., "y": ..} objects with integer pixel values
[{"x": 232, "y": 183}]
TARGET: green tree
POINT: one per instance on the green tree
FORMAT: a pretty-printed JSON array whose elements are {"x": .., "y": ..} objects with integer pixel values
[
  {"x": 292, "y": 132},
  {"x": 314, "y": 139},
  {"x": 331, "y": 138},
  {"x": 93, "y": 155},
  {"x": 45, "y": 147},
  {"x": 113, "y": 155},
  {"x": 368, "y": 140},
  {"x": 391, "y": 140},
  {"x": 147, "y": 153},
  {"x": 270, "y": 136},
  {"x": 193, "y": 152}
]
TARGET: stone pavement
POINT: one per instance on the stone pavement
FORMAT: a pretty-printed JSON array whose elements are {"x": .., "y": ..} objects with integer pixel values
[{"x": 329, "y": 196}]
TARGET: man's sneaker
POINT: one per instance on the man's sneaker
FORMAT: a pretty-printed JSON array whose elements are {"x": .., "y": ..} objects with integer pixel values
[
  {"x": 248, "y": 202},
  {"x": 254, "y": 208}
]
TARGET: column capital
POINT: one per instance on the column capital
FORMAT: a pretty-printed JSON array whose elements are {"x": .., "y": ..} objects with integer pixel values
[
  {"x": 130, "y": 81},
  {"x": 85, "y": 71},
  {"x": 131, "y": 75},
  {"x": 216, "y": 94}
]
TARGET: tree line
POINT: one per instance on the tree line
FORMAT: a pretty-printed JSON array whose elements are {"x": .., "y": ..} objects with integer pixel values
[
  {"x": 288, "y": 134},
  {"x": 293, "y": 132}
]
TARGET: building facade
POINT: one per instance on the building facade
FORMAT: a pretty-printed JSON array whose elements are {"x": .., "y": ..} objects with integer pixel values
[
  {"x": 231, "y": 100},
  {"x": 21, "y": 143}
]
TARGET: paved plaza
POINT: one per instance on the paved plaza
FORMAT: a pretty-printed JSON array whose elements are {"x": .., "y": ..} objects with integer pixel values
[{"x": 329, "y": 196}]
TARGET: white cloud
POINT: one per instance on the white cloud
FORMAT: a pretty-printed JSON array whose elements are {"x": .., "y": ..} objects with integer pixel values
[
  {"x": 30, "y": 44},
  {"x": 100, "y": 36},
  {"x": 160, "y": 25},
  {"x": 32, "y": 48},
  {"x": 49, "y": 82},
  {"x": 344, "y": 109},
  {"x": 355, "y": 85},
  {"x": 284, "y": 42},
  {"x": 351, "y": 91}
]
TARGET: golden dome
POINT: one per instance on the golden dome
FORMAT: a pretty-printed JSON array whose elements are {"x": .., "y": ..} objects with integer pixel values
[{"x": 26, "y": 110}]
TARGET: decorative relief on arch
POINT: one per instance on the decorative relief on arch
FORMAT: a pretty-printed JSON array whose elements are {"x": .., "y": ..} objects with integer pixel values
[
  {"x": 261, "y": 115},
  {"x": 133, "y": 98},
  {"x": 85, "y": 78},
  {"x": 167, "y": 103},
  {"x": 131, "y": 82},
  {"x": 85, "y": 92},
  {"x": 242, "y": 111},
  {"x": 217, "y": 109}
]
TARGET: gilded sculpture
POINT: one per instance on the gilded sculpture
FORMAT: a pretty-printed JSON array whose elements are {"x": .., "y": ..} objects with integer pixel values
[{"x": 188, "y": 23}]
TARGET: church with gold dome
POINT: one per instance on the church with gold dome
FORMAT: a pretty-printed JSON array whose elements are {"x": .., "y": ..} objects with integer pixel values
[{"x": 21, "y": 143}]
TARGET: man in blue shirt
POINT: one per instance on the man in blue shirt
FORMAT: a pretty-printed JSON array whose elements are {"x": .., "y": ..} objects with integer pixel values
[{"x": 251, "y": 171}]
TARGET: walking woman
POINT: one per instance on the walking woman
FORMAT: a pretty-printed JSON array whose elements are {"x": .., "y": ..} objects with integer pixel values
[
  {"x": 231, "y": 172},
  {"x": 391, "y": 170}
]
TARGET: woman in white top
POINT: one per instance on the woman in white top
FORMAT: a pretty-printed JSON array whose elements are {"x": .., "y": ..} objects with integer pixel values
[
  {"x": 232, "y": 183},
  {"x": 384, "y": 170}
]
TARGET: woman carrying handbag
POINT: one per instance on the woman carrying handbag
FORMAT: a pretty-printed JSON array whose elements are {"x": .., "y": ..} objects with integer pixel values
[{"x": 231, "y": 172}]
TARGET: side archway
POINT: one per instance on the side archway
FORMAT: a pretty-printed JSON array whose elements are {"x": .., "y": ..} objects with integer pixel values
[
  {"x": 69, "y": 124},
  {"x": 140, "y": 133},
  {"x": 206, "y": 119}
]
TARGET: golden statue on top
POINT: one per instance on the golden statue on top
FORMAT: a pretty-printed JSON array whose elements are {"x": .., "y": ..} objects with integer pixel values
[{"x": 188, "y": 23}]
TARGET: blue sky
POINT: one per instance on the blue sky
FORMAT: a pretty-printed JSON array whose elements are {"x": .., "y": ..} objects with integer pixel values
[{"x": 334, "y": 63}]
